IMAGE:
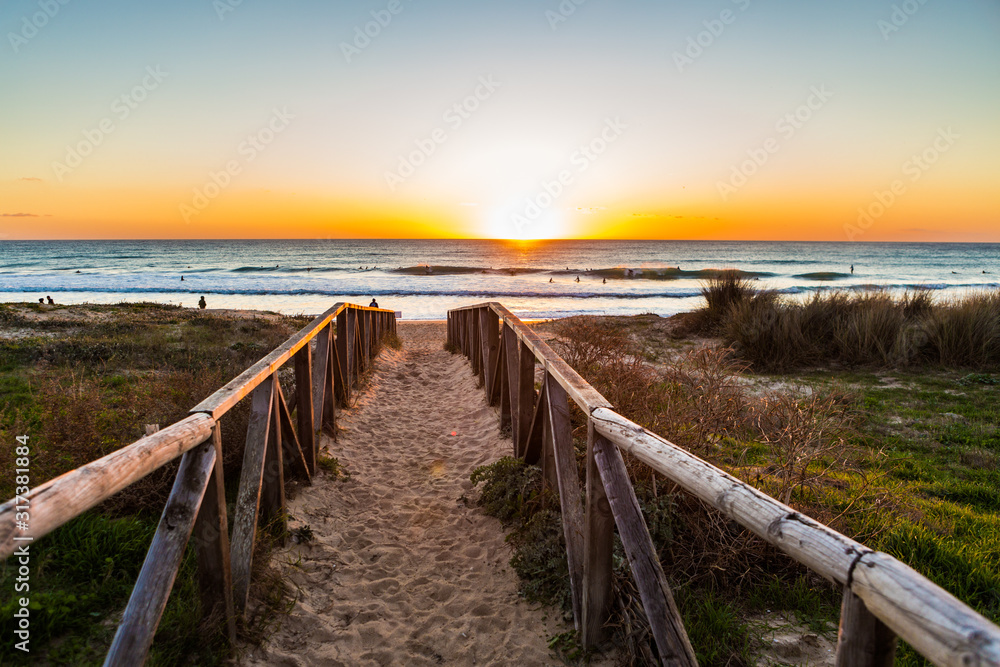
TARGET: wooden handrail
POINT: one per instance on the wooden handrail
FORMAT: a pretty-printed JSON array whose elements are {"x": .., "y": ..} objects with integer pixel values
[
  {"x": 883, "y": 598},
  {"x": 71, "y": 494},
  {"x": 197, "y": 502}
]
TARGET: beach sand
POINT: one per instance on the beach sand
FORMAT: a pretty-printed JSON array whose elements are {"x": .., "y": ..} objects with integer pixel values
[{"x": 403, "y": 568}]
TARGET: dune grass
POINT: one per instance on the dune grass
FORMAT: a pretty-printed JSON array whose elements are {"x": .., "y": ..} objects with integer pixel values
[
  {"x": 868, "y": 328},
  {"x": 907, "y": 463},
  {"x": 81, "y": 385}
]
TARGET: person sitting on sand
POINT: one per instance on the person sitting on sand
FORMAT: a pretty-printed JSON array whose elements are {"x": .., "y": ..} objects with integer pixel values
[
  {"x": 201, "y": 303},
  {"x": 373, "y": 304},
  {"x": 51, "y": 302},
  {"x": 41, "y": 300}
]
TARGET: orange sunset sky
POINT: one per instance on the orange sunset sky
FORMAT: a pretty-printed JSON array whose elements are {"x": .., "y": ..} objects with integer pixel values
[{"x": 731, "y": 119}]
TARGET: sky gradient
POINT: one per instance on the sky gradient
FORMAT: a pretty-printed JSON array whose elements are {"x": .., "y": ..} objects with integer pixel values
[{"x": 731, "y": 119}]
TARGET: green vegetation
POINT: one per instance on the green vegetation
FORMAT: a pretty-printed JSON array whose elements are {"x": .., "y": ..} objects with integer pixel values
[
  {"x": 907, "y": 462},
  {"x": 82, "y": 381},
  {"x": 871, "y": 328}
]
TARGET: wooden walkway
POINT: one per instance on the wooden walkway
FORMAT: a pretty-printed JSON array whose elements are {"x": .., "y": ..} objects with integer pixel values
[{"x": 402, "y": 569}]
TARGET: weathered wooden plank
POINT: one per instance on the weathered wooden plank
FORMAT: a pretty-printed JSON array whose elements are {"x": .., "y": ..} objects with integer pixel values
[
  {"x": 568, "y": 480},
  {"x": 525, "y": 399},
  {"x": 57, "y": 501},
  {"x": 479, "y": 341},
  {"x": 350, "y": 332},
  {"x": 225, "y": 398},
  {"x": 344, "y": 356},
  {"x": 496, "y": 382},
  {"x": 248, "y": 498},
  {"x": 933, "y": 621},
  {"x": 340, "y": 388},
  {"x": 661, "y": 611},
  {"x": 292, "y": 448},
  {"x": 152, "y": 589},
  {"x": 550, "y": 479},
  {"x": 512, "y": 347},
  {"x": 490, "y": 324},
  {"x": 329, "y": 400},
  {"x": 534, "y": 443},
  {"x": 360, "y": 362},
  {"x": 826, "y": 551},
  {"x": 365, "y": 333},
  {"x": 503, "y": 389},
  {"x": 320, "y": 368},
  {"x": 211, "y": 540},
  {"x": 272, "y": 492},
  {"x": 304, "y": 406},
  {"x": 863, "y": 640},
  {"x": 598, "y": 548}
]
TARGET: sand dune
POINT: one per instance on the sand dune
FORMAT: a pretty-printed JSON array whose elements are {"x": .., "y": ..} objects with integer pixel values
[{"x": 403, "y": 569}]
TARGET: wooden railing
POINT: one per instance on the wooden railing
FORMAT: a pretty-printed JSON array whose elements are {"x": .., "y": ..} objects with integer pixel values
[
  {"x": 882, "y": 598},
  {"x": 324, "y": 378}
]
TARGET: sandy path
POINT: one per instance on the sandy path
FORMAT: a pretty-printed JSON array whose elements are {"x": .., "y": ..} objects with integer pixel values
[{"x": 402, "y": 570}]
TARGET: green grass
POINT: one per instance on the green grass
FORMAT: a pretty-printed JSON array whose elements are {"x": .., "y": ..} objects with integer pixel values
[
  {"x": 80, "y": 390},
  {"x": 918, "y": 476}
]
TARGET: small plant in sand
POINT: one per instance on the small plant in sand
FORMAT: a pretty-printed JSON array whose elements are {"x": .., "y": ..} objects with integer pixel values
[{"x": 332, "y": 466}]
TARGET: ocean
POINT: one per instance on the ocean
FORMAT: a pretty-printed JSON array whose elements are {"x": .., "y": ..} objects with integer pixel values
[{"x": 424, "y": 278}]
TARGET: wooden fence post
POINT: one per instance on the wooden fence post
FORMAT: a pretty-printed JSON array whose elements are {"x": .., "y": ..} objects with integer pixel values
[
  {"x": 211, "y": 535},
  {"x": 512, "y": 358},
  {"x": 525, "y": 401},
  {"x": 319, "y": 371},
  {"x": 863, "y": 640},
  {"x": 272, "y": 494},
  {"x": 292, "y": 448},
  {"x": 156, "y": 579},
  {"x": 664, "y": 619},
  {"x": 568, "y": 484},
  {"x": 489, "y": 322},
  {"x": 343, "y": 355},
  {"x": 248, "y": 502},
  {"x": 329, "y": 420},
  {"x": 598, "y": 546},
  {"x": 304, "y": 406}
]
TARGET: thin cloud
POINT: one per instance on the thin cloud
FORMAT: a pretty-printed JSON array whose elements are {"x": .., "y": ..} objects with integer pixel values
[
  {"x": 19, "y": 215},
  {"x": 29, "y": 178}
]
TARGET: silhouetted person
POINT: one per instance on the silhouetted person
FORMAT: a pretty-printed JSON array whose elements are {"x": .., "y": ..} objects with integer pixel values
[
  {"x": 373, "y": 304},
  {"x": 852, "y": 269},
  {"x": 201, "y": 303},
  {"x": 578, "y": 279},
  {"x": 182, "y": 278},
  {"x": 550, "y": 280},
  {"x": 41, "y": 300},
  {"x": 51, "y": 302},
  {"x": 604, "y": 282}
]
